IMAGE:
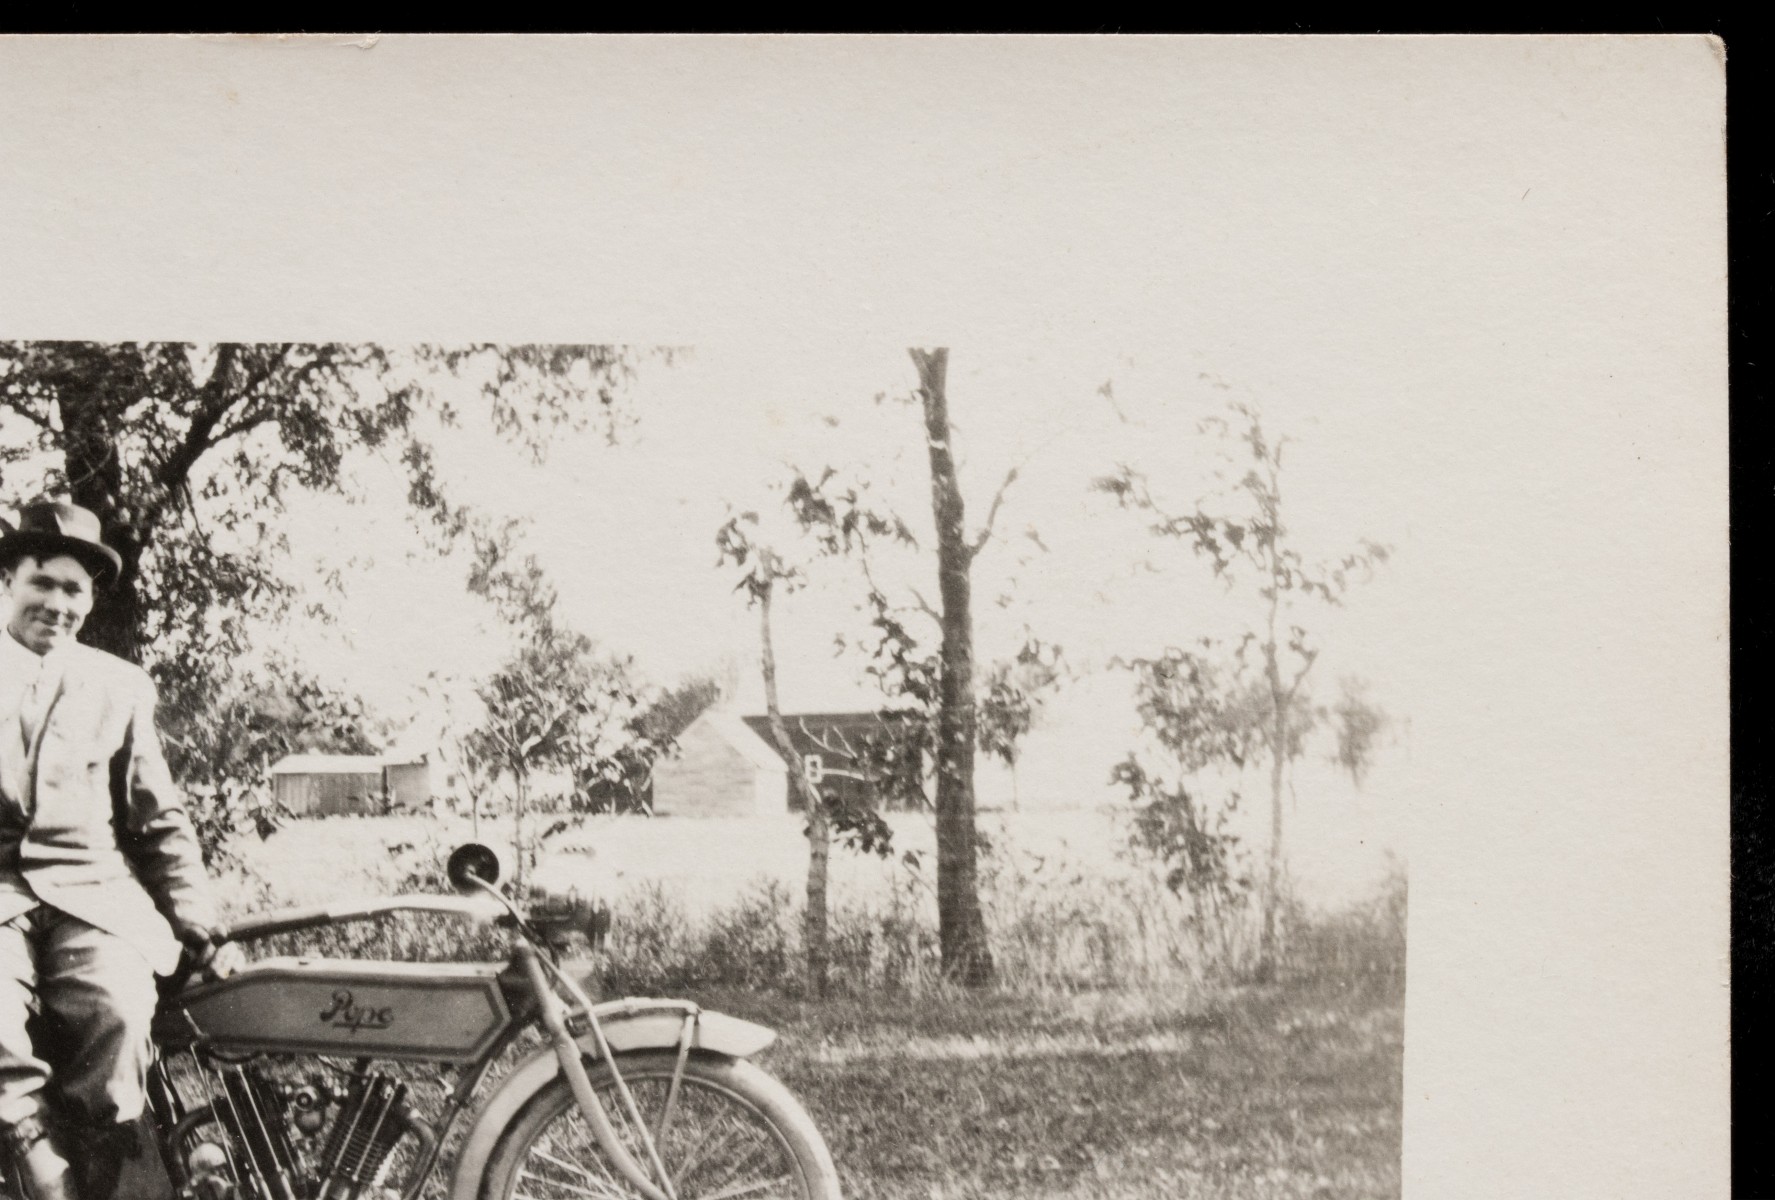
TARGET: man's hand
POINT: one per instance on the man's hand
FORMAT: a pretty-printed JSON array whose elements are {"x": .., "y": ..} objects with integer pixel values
[
  {"x": 226, "y": 960},
  {"x": 213, "y": 961}
]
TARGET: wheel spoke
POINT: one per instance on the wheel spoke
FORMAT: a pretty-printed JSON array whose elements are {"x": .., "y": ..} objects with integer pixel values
[
  {"x": 717, "y": 1146},
  {"x": 546, "y": 1157},
  {"x": 556, "y": 1186},
  {"x": 701, "y": 1154},
  {"x": 738, "y": 1168},
  {"x": 607, "y": 1187}
]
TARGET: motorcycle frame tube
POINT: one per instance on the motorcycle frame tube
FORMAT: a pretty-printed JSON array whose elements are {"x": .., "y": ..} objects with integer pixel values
[
  {"x": 290, "y": 920},
  {"x": 567, "y": 1051}
]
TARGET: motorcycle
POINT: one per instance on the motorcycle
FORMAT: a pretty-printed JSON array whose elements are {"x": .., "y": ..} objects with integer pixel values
[{"x": 284, "y": 1081}]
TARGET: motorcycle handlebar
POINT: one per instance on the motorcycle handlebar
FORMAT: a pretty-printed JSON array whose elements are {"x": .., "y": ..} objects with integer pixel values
[{"x": 290, "y": 920}]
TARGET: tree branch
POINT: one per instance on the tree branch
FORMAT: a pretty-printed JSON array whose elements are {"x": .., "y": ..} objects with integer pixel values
[
  {"x": 213, "y": 404},
  {"x": 998, "y": 498},
  {"x": 246, "y": 424},
  {"x": 1309, "y": 657},
  {"x": 924, "y": 606},
  {"x": 17, "y": 405}
]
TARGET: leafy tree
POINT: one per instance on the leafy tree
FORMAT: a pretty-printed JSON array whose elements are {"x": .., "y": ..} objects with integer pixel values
[
  {"x": 556, "y": 704},
  {"x": 961, "y": 924},
  {"x": 936, "y": 712},
  {"x": 764, "y": 572},
  {"x": 224, "y": 759},
  {"x": 1359, "y": 724},
  {"x": 1224, "y": 713},
  {"x": 679, "y": 706},
  {"x": 188, "y": 454}
]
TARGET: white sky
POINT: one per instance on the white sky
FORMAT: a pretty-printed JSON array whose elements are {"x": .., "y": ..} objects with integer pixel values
[
  {"x": 1481, "y": 280},
  {"x": 628, "y": 531}
]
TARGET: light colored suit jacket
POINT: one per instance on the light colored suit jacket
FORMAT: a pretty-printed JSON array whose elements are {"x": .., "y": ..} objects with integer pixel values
[{"x": 90, "y": 821}]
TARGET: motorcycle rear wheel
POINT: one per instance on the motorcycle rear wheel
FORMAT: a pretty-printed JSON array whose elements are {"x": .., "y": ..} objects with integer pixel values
[{"x": 735, "y": 1133}]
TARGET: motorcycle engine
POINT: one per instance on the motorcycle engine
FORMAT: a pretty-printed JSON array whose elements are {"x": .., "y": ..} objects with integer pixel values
[{"x": 264, "y": 1138}]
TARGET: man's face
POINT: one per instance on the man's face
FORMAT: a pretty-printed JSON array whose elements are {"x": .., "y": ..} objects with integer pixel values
[{"x": 50, "y": 600}]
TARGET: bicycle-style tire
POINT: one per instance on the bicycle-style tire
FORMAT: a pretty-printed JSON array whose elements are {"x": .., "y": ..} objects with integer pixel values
[{"x": 736, "y": 1133}]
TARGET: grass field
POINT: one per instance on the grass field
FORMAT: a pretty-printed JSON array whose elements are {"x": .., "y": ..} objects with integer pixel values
[
  {"x": 1122, "y": 1072},
  {"x": 1290, "y": 1092}
]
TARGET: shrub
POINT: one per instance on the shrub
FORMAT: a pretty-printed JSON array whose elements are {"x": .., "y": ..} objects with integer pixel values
[
  {"x": 1360, "y": 947},
  {"x": 1059, "y": 923}
]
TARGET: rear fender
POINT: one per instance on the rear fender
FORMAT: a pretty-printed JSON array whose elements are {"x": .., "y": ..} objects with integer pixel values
[{"x": 629, "y": 1026}]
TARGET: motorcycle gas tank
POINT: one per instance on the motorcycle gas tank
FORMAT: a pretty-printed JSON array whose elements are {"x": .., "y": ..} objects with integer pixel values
[{"x": 440, "y": 1012}]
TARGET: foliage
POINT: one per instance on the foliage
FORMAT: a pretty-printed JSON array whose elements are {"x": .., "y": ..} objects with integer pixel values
[
  {"x": 677, "y": 707},
  {"x": 1359, "y": 725},
  {"x": 1206, "y": 706},
  {"x": 556, "y": 705},
  {"x": 1190, "y": 839},
  {"x": 222, "y": 747},
  {"x": 1201, "y": 709},
  {"x": 1250, "y": 533},
  {"x": 836, "y": 520},
  {"x": 1009, "y": 694},
  {"x": 188, "y": 454}
]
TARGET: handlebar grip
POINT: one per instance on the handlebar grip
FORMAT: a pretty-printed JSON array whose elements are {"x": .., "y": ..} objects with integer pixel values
[{"x": 287, "y": 920}]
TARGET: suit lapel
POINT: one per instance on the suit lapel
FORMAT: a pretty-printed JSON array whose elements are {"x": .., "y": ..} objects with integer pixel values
[{"x": 65, "y": 680}]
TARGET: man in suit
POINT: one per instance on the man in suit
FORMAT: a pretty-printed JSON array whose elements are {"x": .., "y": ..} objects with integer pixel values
[{"x": 101, "y": 881}]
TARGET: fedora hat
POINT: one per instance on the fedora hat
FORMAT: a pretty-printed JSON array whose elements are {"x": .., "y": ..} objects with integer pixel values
[{"x": 47, "y": 528}]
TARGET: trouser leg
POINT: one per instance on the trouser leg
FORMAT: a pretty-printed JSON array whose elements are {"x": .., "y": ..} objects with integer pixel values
[
  {"x": 97, "y": 995},
  {"x": 22, "y": 1074},
  {"x": 29, "y": 1151}
]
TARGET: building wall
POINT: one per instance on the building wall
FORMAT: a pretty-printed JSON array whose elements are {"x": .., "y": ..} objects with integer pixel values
[
  {"x": 326, "y": 795},
  {"x": 409, "y": 785},
  {"x": 709, "y": 777}
]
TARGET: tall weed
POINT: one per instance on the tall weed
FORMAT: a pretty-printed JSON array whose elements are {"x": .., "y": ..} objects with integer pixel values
[{"x": 1059, "y": 923}]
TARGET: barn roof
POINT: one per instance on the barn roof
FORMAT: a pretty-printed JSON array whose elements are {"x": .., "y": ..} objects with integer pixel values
[
  {"x": 825, "y": 732},
  {"x": 328, "y": 764},
  {"x": 340, "y": 764},
  {"x": 737, "y": 733}
]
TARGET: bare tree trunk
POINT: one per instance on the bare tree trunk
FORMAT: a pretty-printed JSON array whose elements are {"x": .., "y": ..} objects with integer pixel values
[
  {"x": 815, "y": 926},
  {"x": 518, "y": 839},
  {"x": 95, "y": 482},
  {"x": 1269, "y": 949},
  {"x": 815, "y": 932},
  {"x": 1277, "y": 736},
  {"x": 961, "y": 924}
]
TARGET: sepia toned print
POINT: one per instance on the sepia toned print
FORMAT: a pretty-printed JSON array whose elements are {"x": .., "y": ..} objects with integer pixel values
[
  {"x": 1082, "y": 816},
  {"x": 943, "y": 579}
]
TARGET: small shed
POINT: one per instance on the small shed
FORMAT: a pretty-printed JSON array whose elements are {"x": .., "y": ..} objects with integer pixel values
[
  {"x": 324, "y": 785},
  {"x": 315, "y": 785},
  {"x": 722, "y": 769},
  {"x": 408, "y": 783}
]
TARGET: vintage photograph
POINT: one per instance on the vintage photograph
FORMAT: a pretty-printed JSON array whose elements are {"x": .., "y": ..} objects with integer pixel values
[
  {"x": 890, "y": 618},
  {"x": 1006, "y": 763}
]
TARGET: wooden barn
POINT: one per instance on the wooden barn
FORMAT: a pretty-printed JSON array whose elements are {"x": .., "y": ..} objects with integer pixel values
[
  {"x": 722, "y": 769},
  {"x": 324, "y": 785},
  {"x": 831, "y": 747}
]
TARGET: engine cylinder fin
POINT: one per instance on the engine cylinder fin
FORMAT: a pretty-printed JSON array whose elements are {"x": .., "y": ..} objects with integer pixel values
[
  {"x": 255, "y": 1121},
  {"x": 363, "y": 1136}
]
